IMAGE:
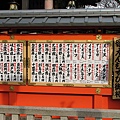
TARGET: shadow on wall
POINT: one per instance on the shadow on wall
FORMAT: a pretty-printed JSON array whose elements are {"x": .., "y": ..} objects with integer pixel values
[{"x": 70, "y": 105}]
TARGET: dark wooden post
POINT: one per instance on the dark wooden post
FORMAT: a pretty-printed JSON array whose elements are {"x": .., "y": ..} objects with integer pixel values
[{"x": 25, "y": 4}]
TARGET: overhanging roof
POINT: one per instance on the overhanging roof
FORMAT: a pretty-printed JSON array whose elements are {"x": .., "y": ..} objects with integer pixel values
[{"x": 60, "y": 17}]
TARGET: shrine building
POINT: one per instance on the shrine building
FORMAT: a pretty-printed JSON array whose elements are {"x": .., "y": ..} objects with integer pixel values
[{"x": 60, "y": 53}]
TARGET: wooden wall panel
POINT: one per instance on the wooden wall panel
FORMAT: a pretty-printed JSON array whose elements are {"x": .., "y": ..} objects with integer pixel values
[
  {"x": 108, "y": 102},
  {"x": 74, "y": 97},
  {"x": 54, "y": 100},
  {"x": 59, "y": 36},
  {"x": 4, "y": 98}
]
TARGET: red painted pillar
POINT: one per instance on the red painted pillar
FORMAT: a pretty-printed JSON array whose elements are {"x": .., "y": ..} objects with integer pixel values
[
  {"x": 48, "y": 4},
  {"x": 12, "y": 98},
  {"x": 97, "y": 101}
]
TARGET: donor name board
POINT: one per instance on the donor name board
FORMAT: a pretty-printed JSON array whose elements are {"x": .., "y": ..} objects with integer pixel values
[
  {"x": 12, "y": 56},
  {"x": 77, "y": 63}
]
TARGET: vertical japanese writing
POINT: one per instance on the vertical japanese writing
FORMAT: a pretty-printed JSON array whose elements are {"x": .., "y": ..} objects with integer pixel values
[
  {"x": 11, "y": 62},
  {"x": 116, "y": 87},
  {"x": 70, "y": 62}
]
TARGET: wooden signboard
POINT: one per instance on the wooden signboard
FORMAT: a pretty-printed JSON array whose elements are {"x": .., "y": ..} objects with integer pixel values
[
  {"x": 116, "y": 82},
  {"x": 70, "y": 63},
  {"x": 12, "y": 62}
]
